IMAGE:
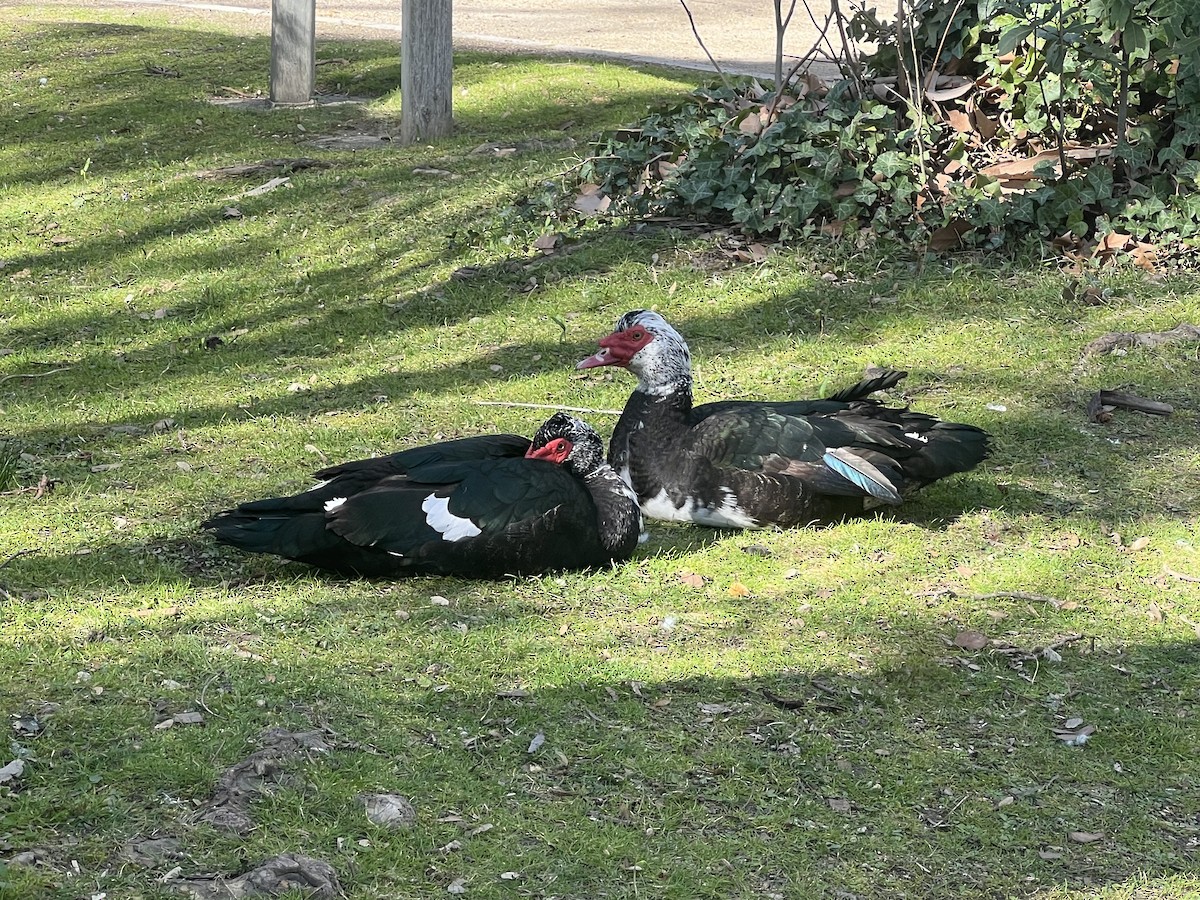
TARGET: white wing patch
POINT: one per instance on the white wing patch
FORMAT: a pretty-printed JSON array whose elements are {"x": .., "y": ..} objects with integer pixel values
[
  {"x": 727, "y": 515},
  {"x": 319, "y": 485},
  {"x": 331, "y": 505},
  {"x": 917, "y": 437},
  {"x": 444, "y": 522}
]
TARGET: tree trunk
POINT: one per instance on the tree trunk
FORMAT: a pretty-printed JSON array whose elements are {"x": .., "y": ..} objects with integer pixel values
[
  {"x": 426, "y": 70},
  {"x": 293, "y": 51}
]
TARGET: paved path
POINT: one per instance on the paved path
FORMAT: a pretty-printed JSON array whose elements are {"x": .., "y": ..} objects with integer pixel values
[{"x": 740, "y": 34}]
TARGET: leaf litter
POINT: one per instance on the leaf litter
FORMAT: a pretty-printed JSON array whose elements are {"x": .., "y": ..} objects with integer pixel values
[
  {"x": 287, "y": 872},
  {"x": 241, "y": 783}
]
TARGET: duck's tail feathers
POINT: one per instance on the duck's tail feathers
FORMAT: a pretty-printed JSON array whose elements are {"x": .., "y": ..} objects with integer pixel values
[
  {"x": 950, "y": 447},
  {"x": 290, "y": 535},
  {"x": 888, "y": 378}
]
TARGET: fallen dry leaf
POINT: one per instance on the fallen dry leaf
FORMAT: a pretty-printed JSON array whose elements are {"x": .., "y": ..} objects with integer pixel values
[
  {"x": 457, "y": 886},
  {"x": 591, "y": 200},
  {"x": 14, "y": 769},
  {"x": 960, "y": 121},
  {"x": 390, "y": 810},
  {"x": 737, "y": 589},
  {"x": 1086, "y": 837},
  {"x": 949, "y": 236},
  {"x": 547, "y": 242},
  {"x": 970, "y": 640},
  {"x": 691, "y": 579},
  {"x": 839, "y": 804}
]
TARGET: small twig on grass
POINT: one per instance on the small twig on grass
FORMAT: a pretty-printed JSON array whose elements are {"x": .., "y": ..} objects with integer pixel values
[
  {"x": 36, "y": 374},
  {"x": 38, "y": 490},
  {"x": 204, "y": 690},
  {"x": 579, "y": 409},
  {"x": 1167, "y": 570},
  {"x": 1013, "y": 595},
  {"x": 998, "y": 595},
  {"x": 954, "y": 808},
  {"x": 18, "y": 555},
  {"x": 1063, "y": 641},
  {"x": 716, "y": 65}
]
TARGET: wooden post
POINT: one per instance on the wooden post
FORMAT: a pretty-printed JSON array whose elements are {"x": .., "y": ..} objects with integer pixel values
[
  {"x": 426, "y": 70},
  {"x": 293, "y": 51}
]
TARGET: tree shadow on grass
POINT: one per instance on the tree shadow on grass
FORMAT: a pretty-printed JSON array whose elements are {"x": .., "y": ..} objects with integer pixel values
[{"x": 920, "y": 769}]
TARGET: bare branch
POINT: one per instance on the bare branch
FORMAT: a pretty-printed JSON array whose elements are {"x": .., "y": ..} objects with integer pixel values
[
  {"x": 716, "y": 65},
  {"x": 781, "y": 25}
]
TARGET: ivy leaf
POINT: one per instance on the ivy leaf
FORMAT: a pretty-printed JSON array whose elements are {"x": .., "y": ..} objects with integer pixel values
[
  {"x": 892, "y": 163},
  {"x": 1011, "y": 39}
]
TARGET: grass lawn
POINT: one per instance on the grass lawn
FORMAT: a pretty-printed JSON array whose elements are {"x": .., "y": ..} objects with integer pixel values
[{"x": 880, "y": 709}]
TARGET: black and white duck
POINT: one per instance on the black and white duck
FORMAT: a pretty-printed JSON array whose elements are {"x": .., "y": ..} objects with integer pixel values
[
  {"x": 476, "y": 507},
  {"x": 743, "y": 464}
]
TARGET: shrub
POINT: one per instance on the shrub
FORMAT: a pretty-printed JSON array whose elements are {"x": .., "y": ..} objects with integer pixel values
[{"x": 979, "y": 121}]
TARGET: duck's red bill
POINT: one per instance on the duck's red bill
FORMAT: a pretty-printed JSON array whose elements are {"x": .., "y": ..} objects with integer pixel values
[{"x": 601, "y": 358}]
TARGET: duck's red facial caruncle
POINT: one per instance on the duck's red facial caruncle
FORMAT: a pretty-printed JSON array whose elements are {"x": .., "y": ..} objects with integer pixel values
[
  {"x": 618, "y": 348},
  {"x": 556, "y": 451}
]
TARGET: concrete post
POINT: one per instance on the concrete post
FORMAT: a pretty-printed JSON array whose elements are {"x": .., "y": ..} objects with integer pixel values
[
  {"x": 293, "y": 51},
  {"x": 426, "y": 70}
]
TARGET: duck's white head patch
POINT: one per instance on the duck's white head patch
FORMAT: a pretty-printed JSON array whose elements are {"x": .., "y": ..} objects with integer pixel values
[{"x": 444, "y": 522}]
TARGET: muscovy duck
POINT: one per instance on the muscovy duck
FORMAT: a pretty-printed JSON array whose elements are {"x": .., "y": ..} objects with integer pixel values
[
  {"x": 742, "y": 464},
  {"x": 476, "y": 507}
]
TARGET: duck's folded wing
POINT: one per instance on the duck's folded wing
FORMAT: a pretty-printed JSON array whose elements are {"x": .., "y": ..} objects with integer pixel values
[{"x": 453, "y": 502}]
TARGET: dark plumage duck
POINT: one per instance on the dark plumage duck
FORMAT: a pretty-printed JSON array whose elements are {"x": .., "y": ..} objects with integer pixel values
[
  {"x": 477, "y": 507},
  {"x": 740, "y": 464}
]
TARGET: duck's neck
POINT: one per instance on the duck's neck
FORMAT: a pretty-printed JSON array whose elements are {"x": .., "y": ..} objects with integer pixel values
[
  {"x": 677, "y": 390},
  {"x": 618, "y": 516}
]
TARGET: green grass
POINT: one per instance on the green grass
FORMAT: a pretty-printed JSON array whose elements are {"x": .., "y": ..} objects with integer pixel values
[{"x": 897, "y": 764}]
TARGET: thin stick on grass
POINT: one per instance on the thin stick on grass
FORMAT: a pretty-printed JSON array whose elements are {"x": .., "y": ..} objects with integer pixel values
[
  {"x": 997, "y": 595},
  {"x": 1013, "y": 595},
  {"x": 1167, "y": 570},
  {"x": 36, "y": 374},
  {"x": 1063, "y": 641},
  {"x": 204, "y": 690},
  {"x": 18, "y": 555},
  {"x": 578, "y": 409}
]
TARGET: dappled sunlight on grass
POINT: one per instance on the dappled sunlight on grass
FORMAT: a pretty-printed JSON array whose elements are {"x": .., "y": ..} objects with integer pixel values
[{"x": 728, "y": 714}]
